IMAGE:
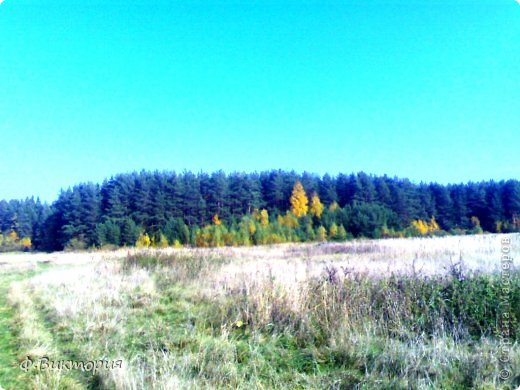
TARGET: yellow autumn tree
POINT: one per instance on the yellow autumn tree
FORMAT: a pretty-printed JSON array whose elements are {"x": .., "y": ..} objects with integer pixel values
[
  {"x": 26, "y": 243},
  {"x": 433, "y": 226},
  {"x": 420, "y": 226},
  {"x": 216, "y": 220},
  {"x": 316, "y": 206},
  {"x": 251, "y": 227},
  {"x": 13, "y": 236},
  {"x": 299, "y": 200},
  {"x": 264, "y": 218},
  {"x": 424, "y": 227},
  {"x": 289, "y": 220},
  {"x": 143, "y": 241}
]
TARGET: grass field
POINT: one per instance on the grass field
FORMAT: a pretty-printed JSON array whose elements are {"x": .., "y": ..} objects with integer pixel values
[{"x": 386, "y": 314}]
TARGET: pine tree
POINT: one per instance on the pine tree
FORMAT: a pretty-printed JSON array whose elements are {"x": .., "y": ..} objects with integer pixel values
[
  {"x": 327, "y": 189},
  {"x": 511, "y": 195},
  {"x": 333, "y": 206},
  {"x": 119, "y": 209},
  {"x": 342, "y": 233},
  {"x": 495, "y": 208},
  {"x": 217, "y": 197},
  {"x": 129, "y": 232}
]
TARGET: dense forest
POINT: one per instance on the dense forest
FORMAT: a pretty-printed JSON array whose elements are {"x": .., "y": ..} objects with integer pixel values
[{"x": 166, "y": 208}]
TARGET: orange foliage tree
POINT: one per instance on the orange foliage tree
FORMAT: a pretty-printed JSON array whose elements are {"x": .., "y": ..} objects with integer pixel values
[{"x": 299, "y": 201}]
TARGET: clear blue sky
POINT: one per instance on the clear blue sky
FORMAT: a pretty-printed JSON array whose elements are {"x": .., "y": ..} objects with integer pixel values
[{"x": 428, "y": 90}]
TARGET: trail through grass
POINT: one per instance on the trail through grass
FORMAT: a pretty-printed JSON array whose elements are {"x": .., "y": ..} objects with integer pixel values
[
  {"x": 8, "y": 377},
  {"x": 9, "y": 351}
]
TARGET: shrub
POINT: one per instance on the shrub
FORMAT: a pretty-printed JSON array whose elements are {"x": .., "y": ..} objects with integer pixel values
[{"x": 75, "y": 244}]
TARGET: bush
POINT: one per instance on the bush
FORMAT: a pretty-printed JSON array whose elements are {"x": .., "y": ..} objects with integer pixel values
[
  {"x": 456, "y": 305},
  {"x": 75, "y": 244}
]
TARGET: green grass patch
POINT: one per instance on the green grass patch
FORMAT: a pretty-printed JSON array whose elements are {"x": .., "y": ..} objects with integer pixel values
[{"x": 10, "y": 373}]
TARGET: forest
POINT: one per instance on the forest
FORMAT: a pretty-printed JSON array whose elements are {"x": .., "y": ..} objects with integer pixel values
[{"x": 172, "y": 209}]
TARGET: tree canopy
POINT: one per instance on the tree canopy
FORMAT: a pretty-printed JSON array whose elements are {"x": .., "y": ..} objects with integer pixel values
[{"x": 253, "y": 208}]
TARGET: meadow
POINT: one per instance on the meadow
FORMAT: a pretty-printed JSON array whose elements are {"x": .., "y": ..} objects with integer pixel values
[{"x": 419, "y": 313}]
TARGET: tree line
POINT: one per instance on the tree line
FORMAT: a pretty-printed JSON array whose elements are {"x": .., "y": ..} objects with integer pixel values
[{"x": 167, "y": 208}]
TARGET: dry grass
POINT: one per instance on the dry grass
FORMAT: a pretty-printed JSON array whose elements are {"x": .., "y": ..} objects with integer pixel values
[
  {"x": 425, "y": 255},
  {"x": 306, "y": 315}
]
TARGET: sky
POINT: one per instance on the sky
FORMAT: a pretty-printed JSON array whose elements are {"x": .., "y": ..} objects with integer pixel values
[{"x": 427, "y": 90}]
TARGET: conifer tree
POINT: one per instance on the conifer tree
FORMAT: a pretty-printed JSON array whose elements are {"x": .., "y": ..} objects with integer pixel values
[
  {"x": 333, "y": 206},
  {"x": 342, "y": 233},
  {"x": 333, "y": 231},
  {"x": 321, "y": 234}
]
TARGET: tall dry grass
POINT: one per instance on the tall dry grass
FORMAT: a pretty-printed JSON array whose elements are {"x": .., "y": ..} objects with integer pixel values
[{"x": 309, "y": 316}]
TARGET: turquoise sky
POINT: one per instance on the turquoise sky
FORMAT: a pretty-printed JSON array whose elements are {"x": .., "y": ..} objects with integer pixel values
[{"x": 428, "y": 90}]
